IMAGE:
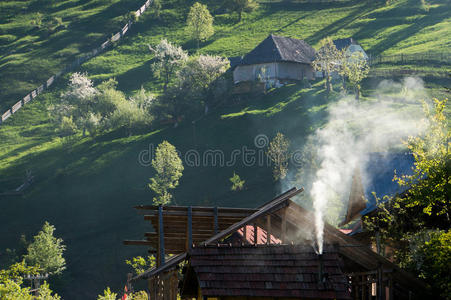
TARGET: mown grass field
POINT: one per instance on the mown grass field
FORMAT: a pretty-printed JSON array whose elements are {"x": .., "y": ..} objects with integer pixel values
[{"x": 87, "y": 187}]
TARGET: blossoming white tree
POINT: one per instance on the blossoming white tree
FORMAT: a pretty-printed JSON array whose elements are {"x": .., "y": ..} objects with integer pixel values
[{"x": 168, "y": 59}]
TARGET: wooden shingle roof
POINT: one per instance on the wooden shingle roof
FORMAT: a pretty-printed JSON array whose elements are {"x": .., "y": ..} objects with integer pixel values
[
  {"x": 276, "y": 271},
  {"x": 280, "y": 49}
]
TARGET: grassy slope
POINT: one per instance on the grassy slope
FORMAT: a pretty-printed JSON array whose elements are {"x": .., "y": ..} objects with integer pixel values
[
  {"x": 29, "y": 55},
  {"x": 87, "y": 189}
]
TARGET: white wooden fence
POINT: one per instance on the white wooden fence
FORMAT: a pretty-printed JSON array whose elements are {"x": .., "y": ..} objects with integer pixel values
[{"x": 76, "y": 63}]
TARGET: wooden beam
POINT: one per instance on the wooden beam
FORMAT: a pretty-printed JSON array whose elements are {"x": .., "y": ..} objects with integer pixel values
[
  {"x": 276, "y": 202},
  {"x": 255, "y": 234},
  {"x": 380, "y": 283},
  {"x": 215, "y": 215},
  {"x": 138, "y": 243},
  {"x": 195, "y": 209},
  {"x": 283, "y": 235},
  {"x": 160, "y": 236},
  {"x": 268, "y": 229}
]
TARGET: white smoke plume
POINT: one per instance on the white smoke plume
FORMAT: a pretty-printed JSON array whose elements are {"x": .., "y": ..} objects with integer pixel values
[{"x": 352, "y": 132}]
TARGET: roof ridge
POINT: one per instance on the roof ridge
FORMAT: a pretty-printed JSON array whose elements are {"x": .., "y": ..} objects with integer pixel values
[{"x": 277, "y": 46}]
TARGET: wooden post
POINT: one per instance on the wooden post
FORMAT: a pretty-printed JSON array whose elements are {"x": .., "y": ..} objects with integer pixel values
[
  {"x": 190, "y": 227},
  {"x": 268, "y": 229},
  {"x": 255, "y": 235},
  {"x": 363, "y": 287},
  {"x": 284, "y": 227},
  {"x": 380, "y": 283},
  {"x": 160, "y": 236},
  {"x": 390, "y": 288},
  {"x": 215, "y": 213}
]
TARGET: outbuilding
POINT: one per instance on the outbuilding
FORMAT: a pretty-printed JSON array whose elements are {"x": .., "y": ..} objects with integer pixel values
[{"x": 276, "y": 59}]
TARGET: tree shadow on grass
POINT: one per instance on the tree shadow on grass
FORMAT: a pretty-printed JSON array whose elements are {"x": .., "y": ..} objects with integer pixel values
[
  {"x": 334, "y": 27},
  {"x": 434, "y": 16},
  {"x": 134, "y": 78}
]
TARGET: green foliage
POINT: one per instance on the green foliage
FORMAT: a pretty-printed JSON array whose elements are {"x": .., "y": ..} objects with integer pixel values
[
  {"x": 436, "y": 262},
  {"x": 168, "y": 167},
  {"x": 16, "y": 271},
  {"x": 279, "y": 155},
  {"x": 168, "y": 59},
  {"x": 240, "y": 6},
  {"x": 326, "y": 60},
  {"x": 355, "y": 68},
  {"x": 37, "y": 20},
  {"x": 237, "y": 183},
  {"x": 47, "y": 251},
  {"x": 412, "y": 220},
  {"x": 200, "y": 74},
  {"x": 45, "y": 293},
  {"x": 430, "y": 183},
  {"x": 130, "y": 116},
  {"x": 11, "y": 281},
  {"x": 67, "y": 127},
  {"x": 200, "y": 23},
  {"x": 156, "y": 5},
  {"x": 107, "y": 295},
  {"x": 140, "y": 295},
  {"x": 141, "y": 264},
  {"x": 12, "y": 290}
]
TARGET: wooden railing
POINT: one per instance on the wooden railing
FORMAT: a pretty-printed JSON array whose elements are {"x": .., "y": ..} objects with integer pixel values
[{"x": 76, "y": 63}]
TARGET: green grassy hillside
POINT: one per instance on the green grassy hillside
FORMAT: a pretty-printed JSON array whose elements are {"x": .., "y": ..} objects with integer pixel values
[
  {"x": 29, "y": 54},
  {"x": 86, "y": 188}
]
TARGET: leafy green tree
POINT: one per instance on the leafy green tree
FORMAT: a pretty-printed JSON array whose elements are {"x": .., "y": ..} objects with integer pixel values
[
  {"x": 413, "y": 220},
  {"x": 327, "y": 60},
  {"x": 237, "y": 182},
  {"x": 47, "y": 251},
  {"x": 140, "y": 295},
  {"x": 168, "y": 59},
  {"x": 107, "y": 295},
  {"x": 200, "y": 23},
  {"x": 36, "y": 20},
  {"x": 67, "y": 127},
  {"x": 17, "y": 270},
  {"x": 279, "y": 155},
  {"x": 130, "y": 116},
  {"x": 200, "y": 74},
  {"x": 430, "y": 183},
  {"x": 435, "y": 263},
  {"x": 45, "y": 293},
  {"x": 141, "y": 264},
  {"x": 168, "y": 167},
  {"x": 12, "y": 290},
  {"x": 78, "y": 101},
  {"x": 241, "y": 6},
  {"x": 156, "y": 4},
  {"x": 355, "y": 68},
  {"x": 11, "y": 284},
  {"x": 107, "y": 99}
]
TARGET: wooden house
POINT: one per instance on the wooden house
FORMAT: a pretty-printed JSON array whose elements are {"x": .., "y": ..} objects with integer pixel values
[
  {"x": 276, "y": 59},
  {"x": 349, "y": 46},
  {"x": 263, "y": 253}
]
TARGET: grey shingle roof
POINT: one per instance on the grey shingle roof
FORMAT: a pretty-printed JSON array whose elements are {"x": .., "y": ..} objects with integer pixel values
[
  {"x": 283, "y": 271},
  {"x": 344, "y": 43},
  {"x": 278, "y": 48}
]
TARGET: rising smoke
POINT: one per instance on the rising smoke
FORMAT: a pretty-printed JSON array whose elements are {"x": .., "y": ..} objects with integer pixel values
[{"x": 353, "y": 130}]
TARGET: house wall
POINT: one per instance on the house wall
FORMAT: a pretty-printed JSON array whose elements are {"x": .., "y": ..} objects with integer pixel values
[
  {"x": 250, "y": 72},
  {"x": 356, "y": 48},
  {"x": 277, "y": 70}
]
